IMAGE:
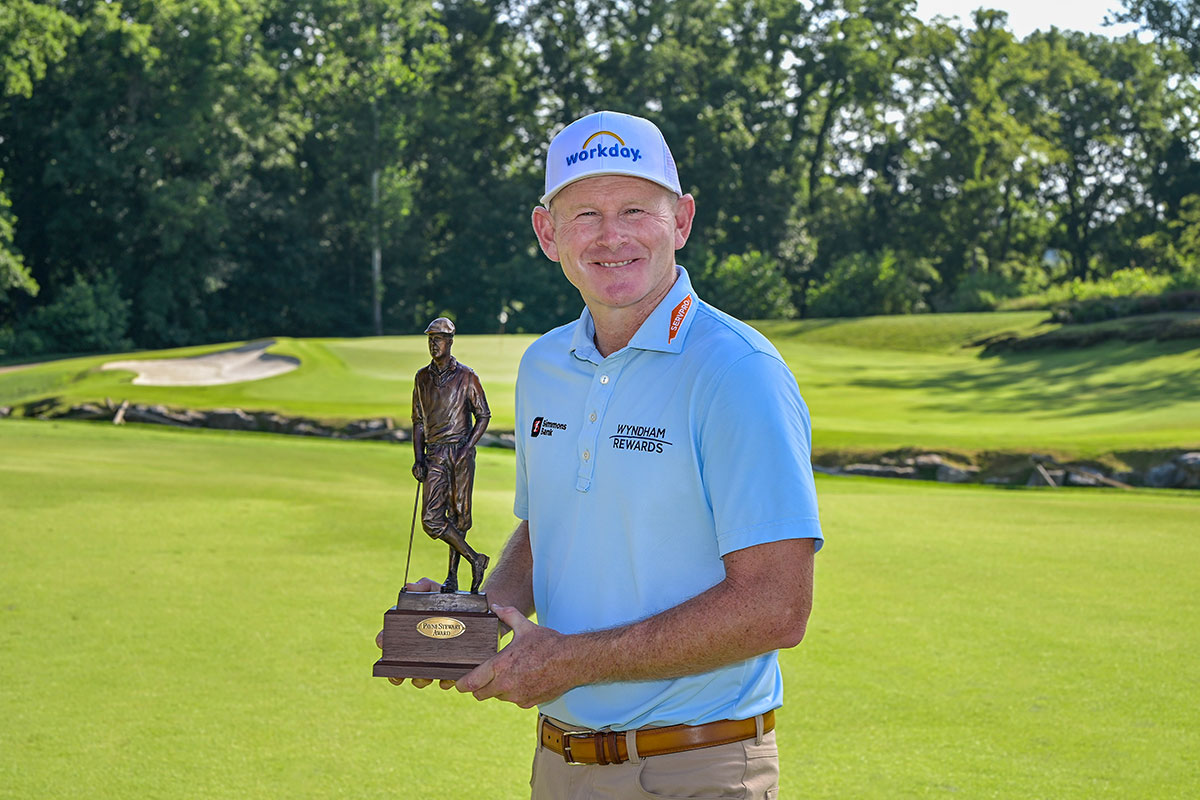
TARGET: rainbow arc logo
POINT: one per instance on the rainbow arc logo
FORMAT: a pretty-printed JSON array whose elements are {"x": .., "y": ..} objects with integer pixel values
[{"x": 600, "y": 150}]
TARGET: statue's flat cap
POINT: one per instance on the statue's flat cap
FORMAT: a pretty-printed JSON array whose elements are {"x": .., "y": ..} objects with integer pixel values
[{"x": 441, "y": 325}]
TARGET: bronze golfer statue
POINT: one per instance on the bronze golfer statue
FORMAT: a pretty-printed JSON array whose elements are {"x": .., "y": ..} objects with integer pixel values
[
  {"x": 443, "y": 634},
  {"x": 449, "y": 415}
]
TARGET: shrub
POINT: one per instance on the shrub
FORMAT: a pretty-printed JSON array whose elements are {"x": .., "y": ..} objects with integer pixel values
[
  {"x": 85, "y": 317},
  {"x": 749, "y": 286},
  {"x": 861, "y": 284}
]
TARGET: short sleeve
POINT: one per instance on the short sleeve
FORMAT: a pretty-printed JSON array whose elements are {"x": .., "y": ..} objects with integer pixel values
[
  {"x": 755, "y": 449},
  {"x": 479, "y": 405}
]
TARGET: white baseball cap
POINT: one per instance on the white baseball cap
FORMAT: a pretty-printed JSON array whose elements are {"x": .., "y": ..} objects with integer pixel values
[{"x": 609, "y": 143}]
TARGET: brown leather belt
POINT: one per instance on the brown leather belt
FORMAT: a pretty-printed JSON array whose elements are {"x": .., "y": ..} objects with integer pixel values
[{"x": 609, "y": 747}]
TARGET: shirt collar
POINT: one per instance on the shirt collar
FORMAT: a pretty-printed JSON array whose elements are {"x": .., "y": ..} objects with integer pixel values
[
  {"x": 664, "y": 330},
  {"x": 667, "y": 326},
  {"x": 440, "y": 375}
]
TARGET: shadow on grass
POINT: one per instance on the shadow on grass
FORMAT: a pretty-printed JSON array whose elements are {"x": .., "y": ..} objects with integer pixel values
[{"x": 1059, "y": 382}]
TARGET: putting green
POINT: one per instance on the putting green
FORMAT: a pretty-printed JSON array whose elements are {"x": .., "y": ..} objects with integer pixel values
[{"x": 191, "y": 613}]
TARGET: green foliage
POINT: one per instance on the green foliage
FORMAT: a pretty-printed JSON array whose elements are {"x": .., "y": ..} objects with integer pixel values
[
  {"x": 885, "y": 283},
  {"x": 1122, "y": 283},
  {"x": 1175, "y": 248},
  {"x": 13, "y": 272},
  {"x": 87, "y": 316},
  {"x": 750, "y": 286},
  {"x": 1171, "y": 20}
]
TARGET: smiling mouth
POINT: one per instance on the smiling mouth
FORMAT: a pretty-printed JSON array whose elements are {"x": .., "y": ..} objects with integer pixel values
[{"x": 612, "y": 264}]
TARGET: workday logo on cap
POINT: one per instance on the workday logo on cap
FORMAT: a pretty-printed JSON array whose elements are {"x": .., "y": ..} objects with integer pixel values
[{"x": 609, "y": 143}]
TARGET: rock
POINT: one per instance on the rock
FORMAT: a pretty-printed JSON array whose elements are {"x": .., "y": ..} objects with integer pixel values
[
  {"x": 1189, "y": 463},
  {"x": 272, "y": 423},
  {"x": 928, "y": 461},
  {"x": 880, "y": 471},
  {"x": 159, "y": 415},
  {"x": 5, "y": 411},
  {"x": 310, "y": 428},
  {"x": 368, "y": 428},
  {"x": 949, "y": 473},
  {"x": 1167, "y": 475},
  {"x": 230, "y": 419},
  {"x": 85, "y": 411},
  {"x": 998, "y": 480},
  {"x": 1046, "y": 477},
  {"x": 1084, "y": 477},
  {"x": 505, "y": 440}
]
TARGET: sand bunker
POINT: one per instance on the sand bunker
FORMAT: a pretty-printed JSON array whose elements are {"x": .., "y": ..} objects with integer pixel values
[{"x": 250, "y": 362}]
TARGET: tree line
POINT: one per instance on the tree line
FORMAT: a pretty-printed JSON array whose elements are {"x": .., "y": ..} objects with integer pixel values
[{"x": 181, "y": 172}]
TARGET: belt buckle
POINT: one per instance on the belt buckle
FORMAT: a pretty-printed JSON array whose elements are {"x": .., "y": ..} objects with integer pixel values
[{"x": 567, "y": 756}]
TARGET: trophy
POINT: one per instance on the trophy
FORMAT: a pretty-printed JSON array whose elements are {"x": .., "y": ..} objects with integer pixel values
[{"x": 443, "y": 634}]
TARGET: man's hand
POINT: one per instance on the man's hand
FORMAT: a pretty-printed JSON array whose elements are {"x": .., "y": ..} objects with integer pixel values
[
  {"x": 423, "y": 585},
  {"x": 534, "y": 667},
  {"x": 419, "y": 470}
]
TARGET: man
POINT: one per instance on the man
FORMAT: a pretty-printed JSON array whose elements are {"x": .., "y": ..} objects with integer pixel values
[
  {"x": 449, "y": 414},
  {"x": 664, "y": 481}
]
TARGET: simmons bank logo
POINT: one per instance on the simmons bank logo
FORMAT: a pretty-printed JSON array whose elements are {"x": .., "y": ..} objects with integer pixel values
[
  {"x": 544, "y": 427},
  {"x": 618, "y": 150}
]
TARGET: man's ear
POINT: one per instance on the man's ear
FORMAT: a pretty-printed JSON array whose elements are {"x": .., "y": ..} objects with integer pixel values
[
  {"x": 543, "y": 226},
  {"x": 685, "y": 213}
]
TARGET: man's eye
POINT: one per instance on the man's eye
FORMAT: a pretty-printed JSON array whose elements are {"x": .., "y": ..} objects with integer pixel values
[{"x": 634, "y": 211}]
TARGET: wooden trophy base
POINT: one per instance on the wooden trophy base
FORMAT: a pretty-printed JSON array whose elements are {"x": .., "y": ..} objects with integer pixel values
[{"x": 434, "y": 635}]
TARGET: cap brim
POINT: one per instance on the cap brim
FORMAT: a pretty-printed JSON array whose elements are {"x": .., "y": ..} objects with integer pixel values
[{"x": 550, "y": 195}]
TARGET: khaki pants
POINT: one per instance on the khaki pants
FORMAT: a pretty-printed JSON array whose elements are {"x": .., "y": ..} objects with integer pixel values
[{"x": 747, "y": 770}]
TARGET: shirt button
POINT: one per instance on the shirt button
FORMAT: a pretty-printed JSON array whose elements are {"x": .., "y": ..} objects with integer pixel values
[
  {"x": 592, "y": 418},
  {"x": 587, "y": 454},
  {"x": 604, "y": 379}
]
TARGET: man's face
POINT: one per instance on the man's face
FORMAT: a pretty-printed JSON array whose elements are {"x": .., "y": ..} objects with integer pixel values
[
  {"x": 439, "y": 346},
  {"x": 616, "y": 237}
]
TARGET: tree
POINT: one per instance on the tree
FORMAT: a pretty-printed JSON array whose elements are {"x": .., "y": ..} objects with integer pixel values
[
  {"x": 975, "y": 164},
  {"x": 1108, "y": 108},
  {"x": 32, "y": 37},
  {"x": 1169, "y": 20}
]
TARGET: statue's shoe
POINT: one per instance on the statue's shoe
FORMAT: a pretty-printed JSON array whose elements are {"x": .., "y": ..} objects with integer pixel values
[{"x": 478, "y": 567}]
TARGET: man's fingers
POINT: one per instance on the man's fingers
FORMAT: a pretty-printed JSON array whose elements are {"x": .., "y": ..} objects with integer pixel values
[
  {"x": 421, "y": 683},
  {"x": 379, "y": 640},
  {"x": 423, "y": 585},
  {"x": 514, "y": 619},
  {"x": 476, "y": 679}
]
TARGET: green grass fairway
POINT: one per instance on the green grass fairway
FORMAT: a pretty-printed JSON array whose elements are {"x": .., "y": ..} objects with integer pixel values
[
  {"x": 872, "y": 384},
  {"x": 191, "y": 614}
]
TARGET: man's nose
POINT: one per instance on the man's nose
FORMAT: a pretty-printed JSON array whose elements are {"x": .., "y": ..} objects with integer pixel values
[{"x": 612, "y": 233}]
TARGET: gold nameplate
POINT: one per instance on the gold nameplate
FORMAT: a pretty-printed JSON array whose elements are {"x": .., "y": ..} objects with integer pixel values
[{"x": 440, "y": 627}]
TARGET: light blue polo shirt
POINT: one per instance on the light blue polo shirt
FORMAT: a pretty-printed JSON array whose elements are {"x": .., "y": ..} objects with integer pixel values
[{"x": 639, "y": 471}]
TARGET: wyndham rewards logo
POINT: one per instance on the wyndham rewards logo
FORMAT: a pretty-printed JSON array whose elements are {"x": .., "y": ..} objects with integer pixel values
[{"x": 619, "y": 150}]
